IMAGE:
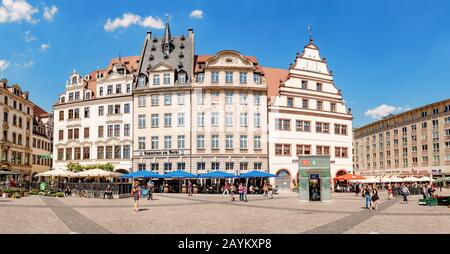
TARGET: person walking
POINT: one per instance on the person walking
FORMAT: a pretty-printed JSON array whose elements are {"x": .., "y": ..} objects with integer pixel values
[
  {"x": 226, "y": 189},
  {"x": 241, "y": 192},
  {"x": 232, "y": 192},
  {"x": 265, "y": 190},
  {"x": 405, "y": 193},
  {"x": 245, "y": 193},
  {"x": 424, "y": 191},
  {"x": 390, "y": 192},
  {"x": 190, "y": 188},
  {"x": 367, "y": 193},
  {"x": 375, "y": 198},
  {"x": 136, "y": 193}
]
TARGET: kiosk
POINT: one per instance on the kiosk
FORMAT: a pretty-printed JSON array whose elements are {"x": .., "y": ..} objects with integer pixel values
[{"x": 314, "y": 176}]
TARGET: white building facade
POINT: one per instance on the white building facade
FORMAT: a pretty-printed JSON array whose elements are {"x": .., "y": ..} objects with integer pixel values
[
  {"x": 307, "y": 116},
  {"x": 93, "y": 118}
]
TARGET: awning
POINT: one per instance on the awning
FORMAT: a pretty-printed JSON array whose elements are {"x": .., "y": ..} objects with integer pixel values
[
  {"x": 217, "y": 174},
  {"x": 179, "y": 175},
  {"x": 142, "y": 174},
  {"x": 257, "y": 174},
  {"x": 8, "y": 173},
  {"x": 97, "y": 173},
  {"x": 349, "y": 177},
  {"x": 57, "y": 173}
]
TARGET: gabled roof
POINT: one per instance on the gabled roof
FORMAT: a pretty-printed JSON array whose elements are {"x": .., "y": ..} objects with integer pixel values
[
  {"x": 39, "y": 112},
  {"x": 200, "y": 60},
  {"x": 273, "y": 78}
]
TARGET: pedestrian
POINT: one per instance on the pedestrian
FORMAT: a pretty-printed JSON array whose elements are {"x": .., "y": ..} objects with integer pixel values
[
  {"x": 245, "y": 193},
  {"x": 424, "y": 191},
  {"x": 367, "y": 193},
  {"x": 270, "y": 191},
  {"x": 241, "y": 192},
  {"x": 405, "y": 193},
  {"x": 190, "y": 188},
  {"x": 390, "y": 192},
  {"x": 136, "y": 193},
  {"x": 232, "y": 192},
  {"x": 150, "y": 186},
  {"x": 226, "y": 189},
  {"x": 375, "y": 198},
  {"x": 265, "y": 190}
]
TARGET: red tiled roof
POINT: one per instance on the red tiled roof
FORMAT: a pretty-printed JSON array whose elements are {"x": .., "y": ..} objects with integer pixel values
[
  {"x": 273, "y": 77},
  {"x": 39, "y": 112}
]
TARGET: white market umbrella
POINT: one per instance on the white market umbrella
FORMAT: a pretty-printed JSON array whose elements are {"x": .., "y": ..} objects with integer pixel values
[
  {"x": 57, "y": 173},
  {"x": 97, "y": 173}
]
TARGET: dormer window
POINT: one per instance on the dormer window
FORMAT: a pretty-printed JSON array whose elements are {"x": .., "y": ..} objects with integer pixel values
[
  {"x": 63, "y": 99},
  {"x": 101, "y": 91},
  {"x": 74, "y": 80},
  {"x": 182, "y": 78},
  {"x": 167, "y": 79},
  {"x": 257, "y": 78},
  {"x": 70, "y": 96},
  {"x": 141, "y": 81},
  {"x": 156, "y": 79},
  {"x": 77, "y": 96},
  {"x": 110, "y": 90},
  {"x": 200, "y": 77},
  {"x": 118, "y": 88}
]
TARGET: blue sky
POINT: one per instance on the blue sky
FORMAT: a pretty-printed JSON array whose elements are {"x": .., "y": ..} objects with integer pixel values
[{"x": 387, "y": 56}]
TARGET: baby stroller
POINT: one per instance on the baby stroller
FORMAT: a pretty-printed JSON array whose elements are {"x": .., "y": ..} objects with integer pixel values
[{"x": 144, "y": 193}]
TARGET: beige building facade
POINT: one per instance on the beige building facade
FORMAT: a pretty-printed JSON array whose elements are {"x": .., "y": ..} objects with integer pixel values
[
  {"x": 416, "y": 142},
  {"x": 42, "y": 141}
]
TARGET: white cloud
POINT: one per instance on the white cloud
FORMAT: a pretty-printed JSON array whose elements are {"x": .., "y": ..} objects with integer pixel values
[
  {"x": 29, "y": 37},
  {"x": 17, "y": 11},
  {"x": 3, "y": 65},
  {"x": 129, "y": 19},
  {"x": 25, "y": 65},
  {"x": 383, "y": 111},
  {"x": 50, "y": 12},
  {"x": 45, "y": 46},
  {"x": 196, "y": 14}
]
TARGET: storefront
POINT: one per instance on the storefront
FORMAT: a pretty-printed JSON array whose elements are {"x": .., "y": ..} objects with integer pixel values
[{"x": 314, "y": 175}]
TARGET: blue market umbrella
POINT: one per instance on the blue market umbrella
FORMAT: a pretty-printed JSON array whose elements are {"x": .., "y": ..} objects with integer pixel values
[
  {"x": 217, "y": 174},
  {"x": 257, "y": 174},
  {"x": 179, "y": 175},
  {"x": 142, "y": 174}
]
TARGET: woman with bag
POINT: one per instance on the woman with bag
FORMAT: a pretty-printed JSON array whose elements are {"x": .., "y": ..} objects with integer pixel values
[
  {"x": 375, "y": 198},
  {"x": 136, "y": 193}
]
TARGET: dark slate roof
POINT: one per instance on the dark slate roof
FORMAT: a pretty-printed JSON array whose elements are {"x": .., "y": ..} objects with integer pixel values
[{"x": 181, "y": 56}]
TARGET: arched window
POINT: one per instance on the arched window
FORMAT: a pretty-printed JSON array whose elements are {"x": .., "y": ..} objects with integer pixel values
[{"x": 74, "y": 80}]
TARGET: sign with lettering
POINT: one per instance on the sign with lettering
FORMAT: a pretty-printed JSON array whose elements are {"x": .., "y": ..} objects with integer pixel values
[{"x": 164, "y": 152}]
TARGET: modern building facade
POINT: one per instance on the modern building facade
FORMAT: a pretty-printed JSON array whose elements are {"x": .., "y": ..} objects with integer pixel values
[
  {"x": 411, "y": 143},
  {"x": 42, "y": 143},
  {"x": 16, "y": 111},
  {"x": 307, "y": 116},
  {"x": 93, "y": 118},
  {"x": 162, "y": 104},
  {"x": 229, "y": 114}
]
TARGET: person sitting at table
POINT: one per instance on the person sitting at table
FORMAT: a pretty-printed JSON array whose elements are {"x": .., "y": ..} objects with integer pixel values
[
  {"x": 108, "y": 192},
  {"x": 252, "y": 189}
]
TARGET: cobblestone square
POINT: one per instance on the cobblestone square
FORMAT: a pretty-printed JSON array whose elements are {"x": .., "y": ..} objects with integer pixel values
[{"x": 216, "y": 214}]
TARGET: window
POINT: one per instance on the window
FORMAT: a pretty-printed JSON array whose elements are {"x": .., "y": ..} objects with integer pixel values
[
  {"x": 305, "y": 104},
  {"x": 257, "y": 78},
  {"x": 86, "y": 133},
  {"x": 156, "y": 79},
  {"x": 257, "y": 120},
  {"x": 257, "y": 166},
  {"x": 181, "y": 166},
  {"x": 215, "y": 166},
  {"x": 180, "y": 98},
  {"x": 215, "y": 119},
  {"x": 117, "y": 130},
  {"x": 76, "y": 113},
  {"x": 128, "y": 88},
  {"x": 141, "y": 143},
  {"x": 304, "y": 126},
  {"x": 155, "y": 143},
  {"x": 229, "y": 142},
  {"x": 243, "y": 78},
  {"x": 229, "y": 77},
  {"x": 60, "y": 154},
  {"x": 126, "y": 130},
  {"x": 167, "y": 79},
  {"x": 126, "y": 108},
  {"x": 229, "y": 166},
  {"x": 323, "y": 150},
  {"x": 282, "y": 124},
  {"x": 200, "y": 98},
  {"x": 110, "y": 131},
  {"x": 141, "y": 166},
  {"x": 155, "y": 121},
  {"x": 86, "y": 112},
  {"x": 109, "y": 90},
  {"x": 229, "y": 119},
  {"x": 201, "y": 166},
  {"x": 141, "y": 120},
  {"x": 182, "y": 78},
  {"x": 243, "y": 142},
  {"x": 76, "y": 133},
  {"x": 167, "y": 100},
  {"x": 60, "y": 135},
  {"x": 341, "y": 152},
  {"x": 181, "y": 120},
  {"x": 257, "y": 142},
  {"x": 201, "y": 119},
  {"x": 333, "y": 107},
  {"x": 101, "y": 110},
  {"x": 77, "y": 96},
  {"x": 229, "y": 98},
  {"x": 424, "y": 125},
  {"x": 319, "y": 87},
  {"x": 155, "y": 100},
  {"x": 435, "y": 111},
  {"x": 141, "y": 101},
  {"x": 243, "y": 99},
  {"x": 100, "y": 131},
  {"x": 109, "y": 153},
  {"x": 319, "y": 105},
  {"x": 101, "y": 91},
  {"x": 290, "y": 102},
  {"x": 282, "y": 149},
  {"x": 215, "y": 98},
  {"x": 200, "y": 77},
  {"x": 61, "y": 116},
  {"x": 257, "y": 99},
  {"x": 141, "y": 82},
  {"x": 117, "y": 152},
  {"x": 303, "y": 150},
  {"x": 101, "y": 152},
  {"x": 244, "y": 120},
  {"x": 200, "y": 141},
  {"x": 181, "y": 142},
  {"x": 110, "y": 109},
  {"x": 435, "y": 124},
  {"x": 167, "y": 120},
  {"x": 304, "y": 84},
  {"x": 215, "y": 142},
  {"x": 167, "y": 142},
  {"x": 340, "y": 129},
  {"x": 68, "y": 154},
  {"x": 214, "y": 77},
  {"x": 118, "y": 88},
  {"x": 322, "y": 127},
  {"x": 155, "y": 166}
]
